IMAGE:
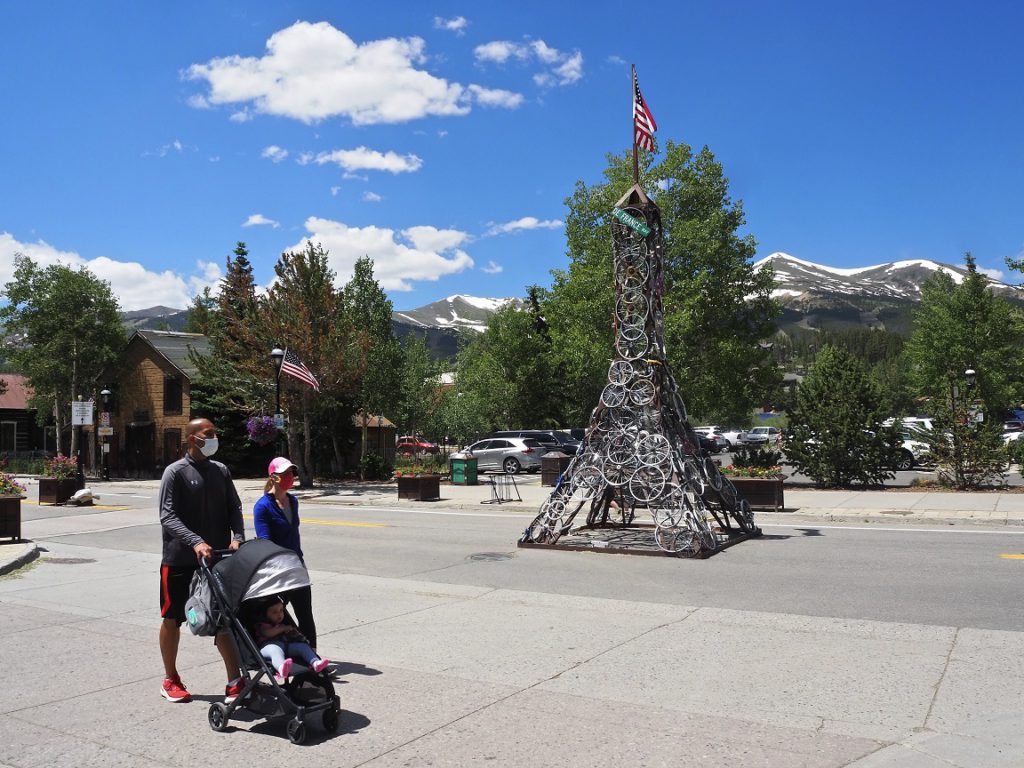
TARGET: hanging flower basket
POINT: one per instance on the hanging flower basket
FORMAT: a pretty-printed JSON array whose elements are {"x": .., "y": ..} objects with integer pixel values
[{"x": 261, "y": 429}]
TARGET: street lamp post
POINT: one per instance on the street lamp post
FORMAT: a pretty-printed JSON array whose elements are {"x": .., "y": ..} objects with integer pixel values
[
  {"x": 105, "y": 448},
  {"x": 277, "y": 357}
]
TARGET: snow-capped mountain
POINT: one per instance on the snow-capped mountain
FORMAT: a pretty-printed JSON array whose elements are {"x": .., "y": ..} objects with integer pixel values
[
  {"x": 880, "y": 296},
  {"x": 898, "y": 279},
  {"x": 454, "y": 312}
]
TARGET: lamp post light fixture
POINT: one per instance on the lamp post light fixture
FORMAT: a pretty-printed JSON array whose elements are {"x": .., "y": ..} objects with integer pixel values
[
  {"x": 970, "y": 376},
  {"x": 105, "y": 395},
  {"x": 277, "y": 357}
]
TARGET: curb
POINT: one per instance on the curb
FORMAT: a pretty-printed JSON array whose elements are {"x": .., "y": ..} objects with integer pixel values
[{"x": 29, "y": 552}]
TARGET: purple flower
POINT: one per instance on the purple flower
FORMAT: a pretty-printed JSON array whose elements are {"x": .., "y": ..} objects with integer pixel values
[{"x": 261, "y": 429}]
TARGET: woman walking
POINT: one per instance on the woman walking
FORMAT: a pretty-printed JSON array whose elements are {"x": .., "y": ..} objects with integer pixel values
[{"x": 277, "y": 519}]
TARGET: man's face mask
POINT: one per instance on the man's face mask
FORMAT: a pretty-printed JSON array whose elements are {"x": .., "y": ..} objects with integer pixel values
[{"x": 209, "y": 445}]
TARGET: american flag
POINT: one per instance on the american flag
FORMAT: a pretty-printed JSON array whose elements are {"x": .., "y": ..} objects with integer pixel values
[
  {"x": 292, "y": 366},
  {"x": 643, "y": 121}
]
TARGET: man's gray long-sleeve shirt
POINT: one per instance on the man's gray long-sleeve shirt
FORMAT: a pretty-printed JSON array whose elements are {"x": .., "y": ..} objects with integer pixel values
[{"x": 198, "y": 503}]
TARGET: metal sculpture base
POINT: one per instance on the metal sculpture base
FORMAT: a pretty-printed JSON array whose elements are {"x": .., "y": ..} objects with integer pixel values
[
  {"x": 635, "y": 539},
  {"x": 640, "y": 454}
]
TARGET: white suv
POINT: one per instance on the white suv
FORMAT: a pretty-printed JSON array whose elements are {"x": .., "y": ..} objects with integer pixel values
[{"x": 763, "y": 436}]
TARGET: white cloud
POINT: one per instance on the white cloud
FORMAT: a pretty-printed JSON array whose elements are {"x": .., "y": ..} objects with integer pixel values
[
  {"x": 457, "y": 25},
  {"x": 274, "y": 153},
  {"x": 525, "y": 223},
  {"x": 615, "y": 60},
  {"x": 492, "y": 268},
  {"x": 500, "y": 51},
  {"x": 258, "y": 219},
  {"x": 305, "y": 158},
  {"x": 335, "y": 190},
  {"x": 365, "y": 159},
  {"x": 135, "y": 286},
  {"x": 241, "y": 116},
  {"x": 421, "y": 253},
  {"x": 371, "y": 197},
  {"x": 496, "y": 97},
  {"x": 314, "y": 71},
  {"x": 561, "y": 68}
]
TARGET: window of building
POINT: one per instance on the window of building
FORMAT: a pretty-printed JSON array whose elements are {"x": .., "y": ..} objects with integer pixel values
[{"x": 172, "y": 394}]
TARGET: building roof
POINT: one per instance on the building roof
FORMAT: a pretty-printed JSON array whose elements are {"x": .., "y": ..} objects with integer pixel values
[
  {"x": 373, "y": 422},
  {"x": 17, "y": 394},
  {"x": 174, "y": 346}
]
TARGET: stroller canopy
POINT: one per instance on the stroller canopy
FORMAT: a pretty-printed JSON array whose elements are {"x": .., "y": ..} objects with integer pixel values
[{"x": 260, "y": 568}]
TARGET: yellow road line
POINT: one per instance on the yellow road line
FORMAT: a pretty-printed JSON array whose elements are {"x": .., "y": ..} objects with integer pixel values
[
  {"x": 335, "y": 522},
  {"x": 1012, "y": 557}
]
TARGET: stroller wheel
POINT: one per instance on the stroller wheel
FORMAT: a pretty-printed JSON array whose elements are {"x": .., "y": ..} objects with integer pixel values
[
  {"x": 296, "y": 731},
  {"x": 218, "y": 716},
  {"x": 331, "y": 720}
]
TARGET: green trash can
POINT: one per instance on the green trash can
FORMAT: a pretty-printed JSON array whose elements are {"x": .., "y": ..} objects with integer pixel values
[{"x": 463, "y": 469}]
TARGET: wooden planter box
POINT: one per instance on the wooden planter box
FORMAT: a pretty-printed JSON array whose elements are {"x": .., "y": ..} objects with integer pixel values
[
  {"x": 54, "y": 491},
  {"x": 10, "y": 517},
  {"x": 422, "y": 488},
  {"x": 761, "y": 492}
]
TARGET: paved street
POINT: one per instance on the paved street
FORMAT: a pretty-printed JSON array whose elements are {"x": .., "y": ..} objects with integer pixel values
[{"x": 862, "y": 630}]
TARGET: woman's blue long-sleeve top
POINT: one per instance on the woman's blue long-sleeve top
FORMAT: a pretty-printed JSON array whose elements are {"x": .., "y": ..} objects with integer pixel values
[{"x": 272, "y": 524}]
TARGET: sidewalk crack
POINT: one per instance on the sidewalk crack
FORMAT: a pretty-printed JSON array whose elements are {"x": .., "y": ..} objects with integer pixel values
[{"x": 942, "y": 677}]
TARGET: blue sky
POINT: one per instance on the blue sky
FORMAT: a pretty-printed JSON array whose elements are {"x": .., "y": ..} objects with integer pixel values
[{"x": 145, "y": 139}]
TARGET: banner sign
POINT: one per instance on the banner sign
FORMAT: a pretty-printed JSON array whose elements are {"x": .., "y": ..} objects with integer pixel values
[{"x": 81, "y": 412}]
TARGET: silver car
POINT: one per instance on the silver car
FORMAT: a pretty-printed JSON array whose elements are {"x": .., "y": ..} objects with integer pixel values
[{"x": 508, "y": 454}]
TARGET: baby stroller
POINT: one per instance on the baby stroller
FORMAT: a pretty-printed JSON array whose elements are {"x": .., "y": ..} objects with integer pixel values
[{"x": 237, "y": 582}]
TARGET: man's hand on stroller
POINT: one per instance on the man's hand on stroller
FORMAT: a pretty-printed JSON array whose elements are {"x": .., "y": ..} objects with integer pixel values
[
  {"x": 234, "y": 545},
  {"x": 203, "y": 551}
]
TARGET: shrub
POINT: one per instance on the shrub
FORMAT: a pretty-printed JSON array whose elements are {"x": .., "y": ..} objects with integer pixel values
[{"x": 374, "y": 467}]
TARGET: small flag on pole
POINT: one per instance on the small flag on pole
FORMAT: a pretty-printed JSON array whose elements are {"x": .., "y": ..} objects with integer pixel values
[
  {"x": 292, "y": 366},
  {"x": 643, "y": 121}
]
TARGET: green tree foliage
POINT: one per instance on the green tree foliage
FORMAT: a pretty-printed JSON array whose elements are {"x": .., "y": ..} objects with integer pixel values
[
  {"x": 837, "y": 438},
  {"x": 68, "y": 328},
  {"x": 959, "y": 327},
  {"x": 507, "y": 372},
  {"x": 304, "y": 312},
  {"x": 370, "y": 312},
  {"x": 419, "y": 386},
  {"x": 717, "y": 306}
]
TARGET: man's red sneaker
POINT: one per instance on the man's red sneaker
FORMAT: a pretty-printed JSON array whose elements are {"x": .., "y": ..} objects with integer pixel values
[
  {"x": 233, "y": 690},
  {"x": 174, "y": 690}
]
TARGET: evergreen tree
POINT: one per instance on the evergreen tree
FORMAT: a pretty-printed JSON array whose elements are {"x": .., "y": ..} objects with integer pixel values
[
  {"x": 837, "y": 435},
  {"x": 961, "y": 327},
  {"x": 717, "y": 306}
]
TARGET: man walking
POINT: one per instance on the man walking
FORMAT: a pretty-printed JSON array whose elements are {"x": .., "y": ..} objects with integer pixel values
[{"x": 199, "y": 512}]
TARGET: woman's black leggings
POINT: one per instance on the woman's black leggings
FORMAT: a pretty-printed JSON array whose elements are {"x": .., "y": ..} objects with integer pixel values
[{"x": 301, "y": 602}]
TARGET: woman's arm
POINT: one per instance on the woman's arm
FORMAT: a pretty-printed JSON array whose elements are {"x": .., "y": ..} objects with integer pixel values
[{"x": 261, "y": 514}]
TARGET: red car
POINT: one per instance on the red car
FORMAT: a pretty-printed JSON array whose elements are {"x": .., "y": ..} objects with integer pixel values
[{"x": 409, "y": 444}]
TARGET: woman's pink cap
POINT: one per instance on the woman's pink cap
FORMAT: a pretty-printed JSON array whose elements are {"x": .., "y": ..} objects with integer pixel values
[{"x": 279, "y": 465}]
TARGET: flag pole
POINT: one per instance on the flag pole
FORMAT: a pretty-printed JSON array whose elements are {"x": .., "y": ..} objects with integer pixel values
[{"x": 632, "y": 124}]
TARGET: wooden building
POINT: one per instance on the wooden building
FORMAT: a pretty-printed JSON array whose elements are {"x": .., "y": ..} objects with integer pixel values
[
  {"x": 19, "y": 433},
  {"x": 380, "y": 439},
  {"x": 151, "y": 405}
]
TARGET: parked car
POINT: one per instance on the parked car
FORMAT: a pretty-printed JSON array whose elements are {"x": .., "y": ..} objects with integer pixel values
[
  {"x": 732, "y": 436},
  {"x": 763, "y": 436},
  {"x": 717, "y": 440},
  {"x": 551, "y": 439},
  {"x": 412, "y": 444},
  {"x": 507, "y": 454},
  {"x": 919, "y": 423},
  {"x": 912, "y": 452},
  {"x": 1013, "y": 425}
]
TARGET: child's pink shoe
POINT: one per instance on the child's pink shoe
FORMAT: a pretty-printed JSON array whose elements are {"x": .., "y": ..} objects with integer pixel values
[
  {"x": 284, "y": 671},
  {"x": 320, "y": 666}
]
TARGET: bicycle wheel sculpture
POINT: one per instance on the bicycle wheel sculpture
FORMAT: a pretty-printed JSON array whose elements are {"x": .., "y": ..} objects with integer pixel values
[{"x": 640, "y": 452}]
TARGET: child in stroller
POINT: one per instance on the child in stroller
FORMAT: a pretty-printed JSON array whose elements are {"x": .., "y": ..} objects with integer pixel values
[
  {"x": 280, "y": 642},
  {"x": 240, "y": 584}
]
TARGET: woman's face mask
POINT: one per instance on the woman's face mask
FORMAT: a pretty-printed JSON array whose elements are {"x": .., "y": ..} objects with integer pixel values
[{"x": 287, "y": 480}]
